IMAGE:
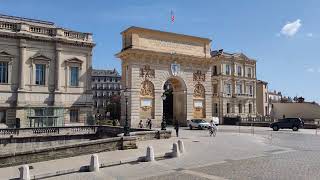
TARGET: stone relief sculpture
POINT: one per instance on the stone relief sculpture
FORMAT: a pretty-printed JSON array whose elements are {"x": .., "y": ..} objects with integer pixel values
[
  {"x": 199, "y": 76},
  {"x": 199, "y": 91},
  {"x": 146, "y": 88}
]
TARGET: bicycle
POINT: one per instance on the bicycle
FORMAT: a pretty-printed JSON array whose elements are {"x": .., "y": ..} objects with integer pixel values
[{"x": 212, "y": 132}]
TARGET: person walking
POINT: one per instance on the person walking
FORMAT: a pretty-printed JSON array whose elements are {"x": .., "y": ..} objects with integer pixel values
[
  {"x": 177, "y": 128},
  {"x": 140, "y": 124},
  {"x": 149, "y": 123}
]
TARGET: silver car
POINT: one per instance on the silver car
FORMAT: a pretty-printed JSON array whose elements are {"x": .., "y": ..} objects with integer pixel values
[{"x": 198, "y": 123}]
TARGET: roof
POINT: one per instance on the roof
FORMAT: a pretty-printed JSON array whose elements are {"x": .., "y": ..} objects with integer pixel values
[
  {"x": 164, "y": 32},
  {"x": 105, "y": 72},
  {"x": 221, "y": 52},
  {"x": 263, "y": 82},
  {"x": 16, "y": 19}
]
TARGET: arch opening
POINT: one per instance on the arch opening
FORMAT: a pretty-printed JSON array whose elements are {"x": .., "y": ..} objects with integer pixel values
[{"x": 174, "y": 105}]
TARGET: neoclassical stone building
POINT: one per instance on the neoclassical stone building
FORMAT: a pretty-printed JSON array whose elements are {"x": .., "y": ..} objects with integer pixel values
[
  {"x": 234, "y": 85},
  {"x": 44, "y": 73},
  {"x": 202, "y": 84}
]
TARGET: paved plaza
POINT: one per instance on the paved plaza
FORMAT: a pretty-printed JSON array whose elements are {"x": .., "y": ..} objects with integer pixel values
[{"x": 247, "y": 153}]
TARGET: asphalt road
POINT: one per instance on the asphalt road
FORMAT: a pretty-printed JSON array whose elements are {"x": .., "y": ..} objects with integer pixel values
[{"x": 248, "y": 153}]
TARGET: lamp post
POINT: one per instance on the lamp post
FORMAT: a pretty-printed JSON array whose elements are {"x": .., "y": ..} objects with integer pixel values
[
  {"x": 163, "y": 123},
  {"x": 126, "y": 127}
]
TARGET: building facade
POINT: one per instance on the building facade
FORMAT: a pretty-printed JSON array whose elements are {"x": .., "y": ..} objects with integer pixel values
[
  {"x": 201, "y": 84},
  {"x": 274, "y": 96},
  {"x": 263, "y": 105},
  {"x": 106, "y": 93},
  {"x": 44, "y": 74},
  {"x": 233, "y": 85}
]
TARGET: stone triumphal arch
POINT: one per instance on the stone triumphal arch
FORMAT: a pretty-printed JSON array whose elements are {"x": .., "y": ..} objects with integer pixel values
[{"x": 156, "y": 62}]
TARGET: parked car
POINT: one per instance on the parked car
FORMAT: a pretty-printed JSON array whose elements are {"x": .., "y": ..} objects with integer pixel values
[
  {"x": 198, "y": 123},
  {"x": 287, "y": 123}
]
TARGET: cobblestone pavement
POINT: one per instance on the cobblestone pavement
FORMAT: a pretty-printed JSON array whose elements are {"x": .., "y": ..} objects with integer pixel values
[{"x": 233, "y": 154}]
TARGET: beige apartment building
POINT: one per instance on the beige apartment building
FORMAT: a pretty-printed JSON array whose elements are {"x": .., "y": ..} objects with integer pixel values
[
  {"x": 233, "y": 85},
  {"x": 44, "y": 74},
  {"x": 106, "y": 93},
  {"x": 196, "y": 82},
  {"x": 263, "y": 105}
]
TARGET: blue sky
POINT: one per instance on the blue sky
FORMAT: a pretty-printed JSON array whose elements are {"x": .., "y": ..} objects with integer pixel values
[{"x": 283, "y": 36}]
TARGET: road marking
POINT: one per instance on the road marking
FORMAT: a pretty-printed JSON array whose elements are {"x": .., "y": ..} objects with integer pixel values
[{"x": 203, "y": 175}]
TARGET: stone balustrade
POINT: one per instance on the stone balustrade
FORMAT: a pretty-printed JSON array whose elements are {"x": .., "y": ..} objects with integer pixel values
[
  {"x": 8, "y": 26},
  {"x": 46, "y": 31},
  {"x": 47, "y": 131}
]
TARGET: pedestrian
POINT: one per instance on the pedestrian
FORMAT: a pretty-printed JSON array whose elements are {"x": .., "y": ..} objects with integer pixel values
[
  {"x": 149, "y": 123},
  {"x": 114, "y": 123},
  {"x": 177, "y": 128},
  {"x": 140, "y": 124}
]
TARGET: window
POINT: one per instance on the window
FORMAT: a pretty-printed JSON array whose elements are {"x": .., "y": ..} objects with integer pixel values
[
  {"x": 250, "y": 90},
  {"x": 228, "y": 107},
  {"x": 215, "y": 109},
  {"x": 239, "y": 88},
  {"x": 249, "y": 72},
  {"x": 266, "y": 99},
  {"x": 239, "y": 70},
  {"x": 74, "y": 115},
  {"x": 250, "y": 108},
  {"x": 266, "y": 109},
  {"x": 74, "y": 80},
  {"x": 40, "y": 74},
  {"x": 228, "y": 69},
  {"x": 215, "y": 88},
  {"x": 3, "y": 72},
  {"x": 240, "y": 108},
  {"x": 2, "y": 116},
  {"x": 215, "y": 72},
  {"x": 228, "y": 89}
]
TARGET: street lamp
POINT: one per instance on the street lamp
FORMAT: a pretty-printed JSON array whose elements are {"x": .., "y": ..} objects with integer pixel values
[
  {"x": 126, "y": 127},
  {"x": 163, "y": 123}
]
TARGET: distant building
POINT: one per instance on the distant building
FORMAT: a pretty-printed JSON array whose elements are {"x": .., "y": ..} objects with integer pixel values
[
  {"x": 44, "y": 74},
  {"x": 106, "y": 93},
  {"x": 262, "y": 98},
  {"x": 307, "y": 111},
  {"x": 274, "y": 96}
]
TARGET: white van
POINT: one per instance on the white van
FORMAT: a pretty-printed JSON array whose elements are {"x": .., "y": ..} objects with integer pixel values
[{"x": 216, "y": 120}]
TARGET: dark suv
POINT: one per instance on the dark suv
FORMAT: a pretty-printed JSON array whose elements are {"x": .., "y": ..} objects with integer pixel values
[{"x": 287, "y": 123}]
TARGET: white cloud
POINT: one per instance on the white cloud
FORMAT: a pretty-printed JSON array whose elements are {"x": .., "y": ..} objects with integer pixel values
[
  {"x": 291, "y": 28},
  {"x": 309, "y": 35},
  {"x": 310, "y": 70}
]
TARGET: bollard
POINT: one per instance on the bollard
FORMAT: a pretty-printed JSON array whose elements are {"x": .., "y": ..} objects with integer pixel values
[
  {"x": 24, "y": 172},
  {"x": 150, "y": 154},
  {"x": 94, "y": 163},
  {"x": 181, "y": 146},
  {"x": 175, "y": 150}
]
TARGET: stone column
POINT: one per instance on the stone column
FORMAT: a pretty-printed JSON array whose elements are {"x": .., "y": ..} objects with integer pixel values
[
  {"x": 89, "y": 71},
  {"x": 57, "y": 65},
  {"x": 158, "y": 106},
  {"x": 22, "y": 61}
]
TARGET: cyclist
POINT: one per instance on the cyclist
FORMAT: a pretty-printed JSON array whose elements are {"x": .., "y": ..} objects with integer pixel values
[{"x": 212, "y": 129}]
